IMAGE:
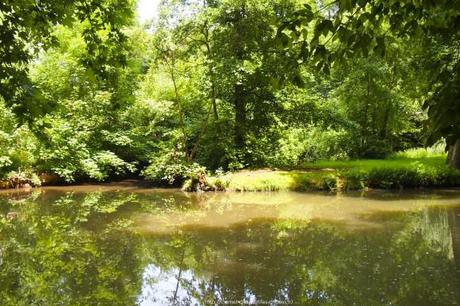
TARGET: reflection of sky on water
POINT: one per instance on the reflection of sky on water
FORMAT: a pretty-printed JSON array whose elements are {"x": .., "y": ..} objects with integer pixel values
[{"x": 159, "y": 287}]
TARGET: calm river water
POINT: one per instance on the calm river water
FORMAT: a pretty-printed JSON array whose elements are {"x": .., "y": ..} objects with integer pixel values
[{"x": 122, "y": 245}]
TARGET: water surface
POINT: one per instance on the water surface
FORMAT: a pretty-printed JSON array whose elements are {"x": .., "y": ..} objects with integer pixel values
[{"x": 122, "y": 245}]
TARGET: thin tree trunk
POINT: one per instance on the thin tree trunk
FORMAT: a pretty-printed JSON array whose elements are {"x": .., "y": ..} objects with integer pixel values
[
  {"x": 239, "y": 99},
  {"x": 386, "y": 121},
  {"x": 240, "y": 116},
  {"x": 365, "y": 132},
  {"x": 203, "y": 131},
  {"x": 454, "y": 155},
  {"x": 388, "y": 110},
  {"x": 179, "y": 102},
  {"x": 211, "y": 72},
  {"x": 449, "y": 154}
]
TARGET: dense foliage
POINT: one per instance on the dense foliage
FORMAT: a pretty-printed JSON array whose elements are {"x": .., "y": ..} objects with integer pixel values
[{"x": 220, "y": 85}]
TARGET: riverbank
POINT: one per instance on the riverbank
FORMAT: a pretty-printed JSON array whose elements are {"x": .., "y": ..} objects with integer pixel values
[
  {"x": 393, "y": 173},
  {"x": 398, "y": 172}
]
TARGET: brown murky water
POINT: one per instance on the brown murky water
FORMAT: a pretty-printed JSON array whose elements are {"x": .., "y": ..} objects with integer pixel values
[{"x": 123, "y": 245}]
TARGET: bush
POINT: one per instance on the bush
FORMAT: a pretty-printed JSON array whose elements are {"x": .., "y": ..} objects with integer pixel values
[
  {"x": 18, "y": 146},
  {"x": 173, "y": 169},
  {"x": 375, "y": 148},
  {"x": 299, "y": 145},
  {"x": 21, "y": 178},
  {"x": 437, "y": 150}
]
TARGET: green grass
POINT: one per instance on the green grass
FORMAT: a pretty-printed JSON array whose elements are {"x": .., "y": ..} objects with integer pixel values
[
  {"x": 395, "y": 172},
  {"x": 410, "y": 169},
  {"x": 438, "y": 162},
  {"x": 267, "y": 180}
]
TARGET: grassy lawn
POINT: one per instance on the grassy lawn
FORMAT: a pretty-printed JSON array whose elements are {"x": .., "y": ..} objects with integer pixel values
[{"x": 404, "y": 170}]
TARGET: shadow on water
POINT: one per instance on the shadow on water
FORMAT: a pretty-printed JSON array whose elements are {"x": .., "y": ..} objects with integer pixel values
[{"x": 120, "y": 245}]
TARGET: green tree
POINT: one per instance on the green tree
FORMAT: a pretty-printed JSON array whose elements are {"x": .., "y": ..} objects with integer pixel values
[
  {"x": 27, "y": 27},
  {"x": 342, "y": 29},
  {"x": 226, "y": 68},
  {"x": 92, "y": 129},
  {"x": 381, "y": 115}
]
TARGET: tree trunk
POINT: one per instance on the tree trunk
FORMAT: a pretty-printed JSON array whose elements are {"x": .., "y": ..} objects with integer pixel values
[
  {"x": 454, "y": 155},
  {"x": 210, "y": 70},
  {"x": 240, "y": 116},
  {"x": 365, "y": 126},
  {"x": 239, "y": 98},
  {"x": 171, "y": 61}
]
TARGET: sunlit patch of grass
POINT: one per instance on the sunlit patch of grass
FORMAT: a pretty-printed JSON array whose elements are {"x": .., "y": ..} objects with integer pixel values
[
  {"x": 259, "y": 181},
  {"x": 267, "y": 180},
  {"x": 415, "y": 168}
]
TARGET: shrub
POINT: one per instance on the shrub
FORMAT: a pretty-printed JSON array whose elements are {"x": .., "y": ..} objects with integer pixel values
[
  {"x": 173, "y": 169},
  {"x": 299, "y": 145},
  {"x": 20, "y": 178},
  {"x": 18, "y": 146},
  {"x": 437, "y": 150}
]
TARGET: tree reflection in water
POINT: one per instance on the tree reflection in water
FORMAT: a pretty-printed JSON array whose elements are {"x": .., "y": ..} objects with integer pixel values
[{"x": 81, "y": 248}]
